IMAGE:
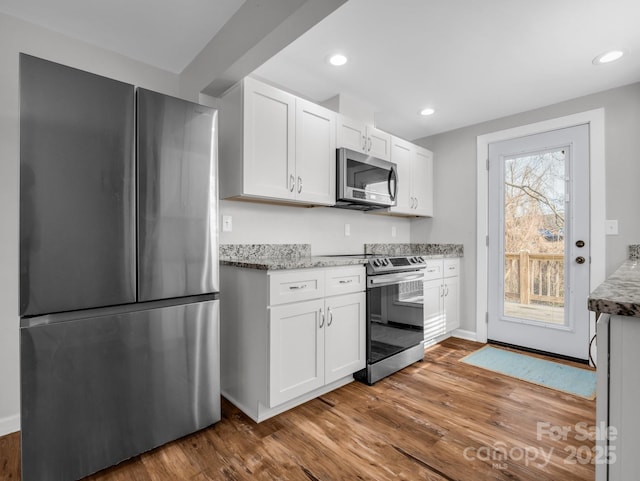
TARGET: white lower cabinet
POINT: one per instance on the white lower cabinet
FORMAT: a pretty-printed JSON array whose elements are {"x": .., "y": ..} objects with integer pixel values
[
  {"x": 314, "y": 343},
  {"x": 296, "y": 350},
  {"x": 278, "y": 347},
  {"x": 441, "y": 297}
]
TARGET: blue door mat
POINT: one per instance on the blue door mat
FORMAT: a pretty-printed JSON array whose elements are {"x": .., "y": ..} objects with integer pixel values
[{"x": 568, "y": 379}]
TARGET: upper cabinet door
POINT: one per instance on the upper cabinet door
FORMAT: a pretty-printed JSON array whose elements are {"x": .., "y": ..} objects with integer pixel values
[
  {"x": 177, "y": 198},
  {"x": 315, "y": 153},
  {"x": 422, "y": 179},
  {"x": 402, "y": 155},
  {"x": 269, "y": 162},
  {"x": 351, "y": 134},
  {"x": 77, "y": 181},
  {"x": 364, "y": 138},
  {"x": 378, "y": 143}
]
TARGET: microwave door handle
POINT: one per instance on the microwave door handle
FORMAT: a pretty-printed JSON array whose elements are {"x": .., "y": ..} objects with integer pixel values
[{"x": 393, "y": 174}]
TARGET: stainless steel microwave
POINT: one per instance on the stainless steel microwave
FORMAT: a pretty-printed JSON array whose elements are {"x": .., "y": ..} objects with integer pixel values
[{"x": 364, "y": 182}]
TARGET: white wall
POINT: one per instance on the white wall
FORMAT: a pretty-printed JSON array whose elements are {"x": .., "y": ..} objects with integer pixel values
[
  {"x": 455, "y": 180},
  {"x": 322, "y": 227},
  {"x": 17, "y": 36}
]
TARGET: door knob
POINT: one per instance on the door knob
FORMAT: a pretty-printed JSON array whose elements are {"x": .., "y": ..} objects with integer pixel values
[{"x": 580, "y": 260}]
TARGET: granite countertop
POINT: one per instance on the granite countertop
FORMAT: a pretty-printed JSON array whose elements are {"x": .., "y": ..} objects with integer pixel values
[
  {"x": 292, "y": 262},
  {"x": 298, "y": 256},
  {"x": 620, "y": 293}
]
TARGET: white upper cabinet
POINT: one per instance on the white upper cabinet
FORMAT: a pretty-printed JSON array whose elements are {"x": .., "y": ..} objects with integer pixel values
[
  {"x": 276, "y": 146},
  {"x": 422, "y": 181},
  {"x": 361, "y": 137},
  {"x": 269, "y": 163},
  {"x": 315, "y": 153},
  {"x": 415, "y": 178}
]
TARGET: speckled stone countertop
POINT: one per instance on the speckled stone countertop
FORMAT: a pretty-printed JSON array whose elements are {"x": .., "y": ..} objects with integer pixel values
[
  {"x": 298, "y": 256},
  {"x": 275, "y": 257},
  {"x": 427, "y": 250},
  {"x": 620, "y": 293}
]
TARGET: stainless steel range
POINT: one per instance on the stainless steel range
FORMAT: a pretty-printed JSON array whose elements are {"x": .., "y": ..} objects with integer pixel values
[{"x": 395, "y": 315}]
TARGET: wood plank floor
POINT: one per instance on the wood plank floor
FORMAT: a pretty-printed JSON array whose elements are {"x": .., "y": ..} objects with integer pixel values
[{"x": 438, "y": 420}]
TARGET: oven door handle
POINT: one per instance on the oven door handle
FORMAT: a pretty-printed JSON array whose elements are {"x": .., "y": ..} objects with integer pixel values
[{"x": 387, "y": 279}]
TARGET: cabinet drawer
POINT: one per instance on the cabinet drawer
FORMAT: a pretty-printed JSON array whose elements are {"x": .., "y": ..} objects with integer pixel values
[
  {"x": 345, "y": 280},
  {"x": 433, "y": 270},
  {"x": 451, "y": 267},
  {"x": 294, "y": 286}
]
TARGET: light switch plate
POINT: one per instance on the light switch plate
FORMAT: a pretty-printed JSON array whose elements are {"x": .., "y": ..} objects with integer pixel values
[
  {"x": 227, "y": 223},
  {"x": 611, "y": 227}
]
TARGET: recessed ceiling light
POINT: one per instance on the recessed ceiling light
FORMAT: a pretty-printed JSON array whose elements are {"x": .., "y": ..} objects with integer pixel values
[
  {"x": 607, "y": 57},
  {"x": 426, "y": 112},
  {"x": 337, "y": 59}
]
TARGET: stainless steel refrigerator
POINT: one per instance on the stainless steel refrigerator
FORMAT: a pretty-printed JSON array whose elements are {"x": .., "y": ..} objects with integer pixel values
[{"x": 118, "y": 270}]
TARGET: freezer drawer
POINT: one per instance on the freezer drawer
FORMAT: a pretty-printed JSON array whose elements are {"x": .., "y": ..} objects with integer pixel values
[
  {"x": 177, "y": 198},
  {"x": 99, "y": 390},
  {"x": 77, "y": 180}
]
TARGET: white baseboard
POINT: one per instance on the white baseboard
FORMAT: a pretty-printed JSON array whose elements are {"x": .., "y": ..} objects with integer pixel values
[
  {"x": 463, "y": 334},
  {"x": 9, "y": 425}
]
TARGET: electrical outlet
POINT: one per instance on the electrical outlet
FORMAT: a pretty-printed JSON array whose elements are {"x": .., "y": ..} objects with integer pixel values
[
  {"x": 227, "y": 223},
  {"x": 347, "y": 230},
  {"x": 611, "y": 227}
]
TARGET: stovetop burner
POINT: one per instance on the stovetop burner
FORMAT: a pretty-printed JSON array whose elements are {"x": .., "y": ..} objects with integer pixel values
[{"x": 382, "y": 264}]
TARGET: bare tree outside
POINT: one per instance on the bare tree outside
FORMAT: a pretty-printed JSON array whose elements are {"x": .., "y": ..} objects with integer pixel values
[{"x": 534, "y": 226}]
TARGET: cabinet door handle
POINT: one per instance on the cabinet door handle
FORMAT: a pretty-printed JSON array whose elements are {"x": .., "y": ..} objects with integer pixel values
[
  {"x": 299, "y": 184},
  {"x": 369, "y": 148},
  {"x": 345, "y": 281},
  {"x": 446, "y": 290},
  {"x": 330, "y": 316},
  {"x": 292, "y": 183},
  {"x": 321, "y": 318},
  {"x": 364, "y": 143},
  {"x": 294, "y": 288},
  {"x": 441, "y": 291},
  {"x": 416, "y": 206}
]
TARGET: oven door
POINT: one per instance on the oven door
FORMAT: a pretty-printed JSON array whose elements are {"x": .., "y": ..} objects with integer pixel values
[{"x": 395, "y": 319}]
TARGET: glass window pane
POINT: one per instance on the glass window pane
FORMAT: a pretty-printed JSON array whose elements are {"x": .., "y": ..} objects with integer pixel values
[{"x": 534, "y": 240}]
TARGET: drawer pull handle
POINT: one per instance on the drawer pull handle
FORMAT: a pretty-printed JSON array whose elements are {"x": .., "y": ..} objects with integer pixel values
[
  {"x": 451, "y": 268},
  {"x": 346, "y": 281},
  {"x": 301, "y": 286},
  {"x": 432, "y": 270}
]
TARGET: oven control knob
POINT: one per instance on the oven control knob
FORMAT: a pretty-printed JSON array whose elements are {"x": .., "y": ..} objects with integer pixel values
[
  {"x": 412, "y": 260},
  {"x": 420, "y": 259},
  {"x": 385, "y": 262},
  {"x": 376, "y": 263}
]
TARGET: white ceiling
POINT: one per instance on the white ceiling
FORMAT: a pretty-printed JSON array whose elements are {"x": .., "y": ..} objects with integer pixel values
[
  {"x": 164, "y": 33},
  {"x": 471, "y": 60}
]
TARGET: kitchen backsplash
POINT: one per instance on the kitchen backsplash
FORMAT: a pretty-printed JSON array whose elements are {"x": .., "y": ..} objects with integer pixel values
[
  {"x": 452, "y": 250},
  {"x": 262, "y": 251}
]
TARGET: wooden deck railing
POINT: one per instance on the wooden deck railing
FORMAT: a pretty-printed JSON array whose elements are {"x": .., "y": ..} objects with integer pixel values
[{"x": 534, "y": 277}]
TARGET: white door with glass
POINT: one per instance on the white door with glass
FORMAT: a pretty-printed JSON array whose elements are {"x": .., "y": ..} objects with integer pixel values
[{"x": 539, "y": 242}]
